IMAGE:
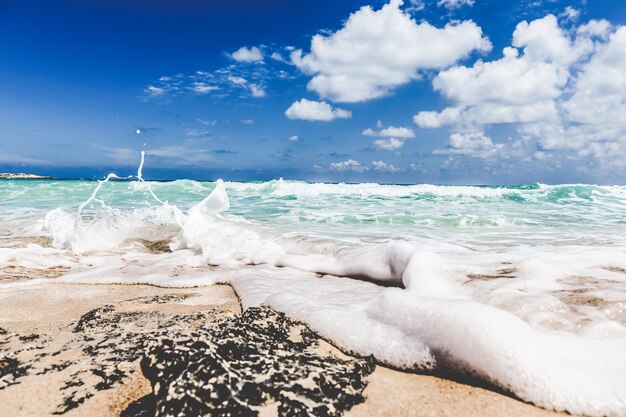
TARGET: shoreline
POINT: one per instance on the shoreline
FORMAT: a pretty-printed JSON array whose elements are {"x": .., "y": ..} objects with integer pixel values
[{"x": 59, "y": 340}]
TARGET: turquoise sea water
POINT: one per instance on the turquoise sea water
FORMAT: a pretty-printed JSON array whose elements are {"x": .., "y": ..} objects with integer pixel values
[
  {"x": 529, "y": 214},
  {"x": 524, "y": 286}
]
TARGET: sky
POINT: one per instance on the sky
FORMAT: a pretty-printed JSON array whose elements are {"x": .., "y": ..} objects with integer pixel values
[{"x": 421, "y": 91}]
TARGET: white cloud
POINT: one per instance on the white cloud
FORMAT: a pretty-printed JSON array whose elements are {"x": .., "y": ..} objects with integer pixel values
[
  {"x": 203, "y": 88},
  {"x": 351, "y": 165},
  {"x": 348, "y": 165},
  {"x": 595, "y": 28},
  {"x": 391, "y": 131},
  {"x": 488, "y": 113},
  {"x": 378, "y": 50},
  {"x": 257, "y": 91},
  {"x": 315, "y": 111},
  {"x": 473, "y": 144},
  {"x": 244, "y": 54},
  {"x": 562, "y": 90},
  {"x": 237, "y": 80},
  {"x": 246, "y": 121},
  {"x": 433, "y": 119},
  {"x": 532, "y": 72},
  {"x": 454, "y": 4},
  {"x": 390, "y": 144},
  {"x": 600, "y": 88},
  {"x": 277, "y": 56},
  {"x": 592, "y": 123},
  {"x": 294, "y": 138},
  {"x": 397, "y": 132},
  {"x": 155, "y": 91},
  {"x": 544, "y": 41},
  {"x": 384, "y": 166},
  {"x": 394, "y": 136},
  {"x": 415, "y": 6},
  {"x": 570, "y": 14}
]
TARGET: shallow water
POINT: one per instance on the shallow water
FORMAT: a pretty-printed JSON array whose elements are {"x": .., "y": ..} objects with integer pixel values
[{"x": 524, "y": 286}]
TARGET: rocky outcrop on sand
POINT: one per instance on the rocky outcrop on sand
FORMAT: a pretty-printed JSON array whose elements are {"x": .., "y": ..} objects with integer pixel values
[{"x": 200, "y": 362}]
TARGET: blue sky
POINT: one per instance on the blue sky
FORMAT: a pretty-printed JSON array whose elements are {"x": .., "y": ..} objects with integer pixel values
[{"x": 443, "y": 91}]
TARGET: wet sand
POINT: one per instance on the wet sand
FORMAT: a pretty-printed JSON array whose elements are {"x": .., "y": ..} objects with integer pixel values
[{"x": 138, "y": 350}]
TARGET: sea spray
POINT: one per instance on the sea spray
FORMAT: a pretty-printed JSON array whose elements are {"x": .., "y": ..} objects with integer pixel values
[{"x": 109, "y": 227}]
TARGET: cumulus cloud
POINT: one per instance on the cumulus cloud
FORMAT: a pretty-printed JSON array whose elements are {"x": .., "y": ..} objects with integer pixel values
[
  {"x": 472, "y": 144},
  {"x": 315, "y": 111},
  {"x": 600, "y": 88},
  {"x": 348, "y": 165},
  {"x": 379, "y": 50},
  {"x": 563, "y": 90},
  {"x": 515, "y": 83},
  {"x": 593, "y": 119},
  {"x": 390, "y": 132},
  {"x": 521, "y": 87},
  {"x": 390, "y": 144},
  {"x": 594, "y": 28},
  {"x": 294, "y": 138},
  {"x": 394, "y": 137},
  {"x": 244, "y": 54}
]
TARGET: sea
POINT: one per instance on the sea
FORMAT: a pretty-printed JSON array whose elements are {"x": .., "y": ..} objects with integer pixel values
[{"x": 523, "y": 286}]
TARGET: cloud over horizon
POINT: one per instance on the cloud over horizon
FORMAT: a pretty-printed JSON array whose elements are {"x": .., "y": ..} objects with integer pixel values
[
  {"x": 378, "y": 50},
  {"x": 563, "y": 89}
]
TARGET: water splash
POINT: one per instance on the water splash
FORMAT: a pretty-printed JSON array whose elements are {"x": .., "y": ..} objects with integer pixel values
[{"x": 111, "y": 226}]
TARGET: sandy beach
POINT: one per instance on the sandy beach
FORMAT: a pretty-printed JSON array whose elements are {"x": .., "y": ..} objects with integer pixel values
[
  {"x": 332, "y": 208},
  {"x": 138, "y": 350}
]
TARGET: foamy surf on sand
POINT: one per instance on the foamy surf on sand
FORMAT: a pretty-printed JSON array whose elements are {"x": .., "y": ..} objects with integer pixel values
[{"x": 524, "y": 287}]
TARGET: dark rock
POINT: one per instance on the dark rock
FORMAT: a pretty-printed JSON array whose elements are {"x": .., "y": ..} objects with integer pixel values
[{"x": 247, "y": 361}]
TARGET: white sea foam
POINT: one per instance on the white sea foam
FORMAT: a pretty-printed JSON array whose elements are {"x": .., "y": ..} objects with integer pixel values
[{"x": 523, "y": 286}]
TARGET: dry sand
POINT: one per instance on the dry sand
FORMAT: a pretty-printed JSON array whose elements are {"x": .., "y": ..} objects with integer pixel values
[{"x": 75, "y": 350}]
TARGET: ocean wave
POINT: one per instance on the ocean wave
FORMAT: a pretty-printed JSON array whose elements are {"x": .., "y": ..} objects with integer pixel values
[{"x": 522, "y": 286}]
